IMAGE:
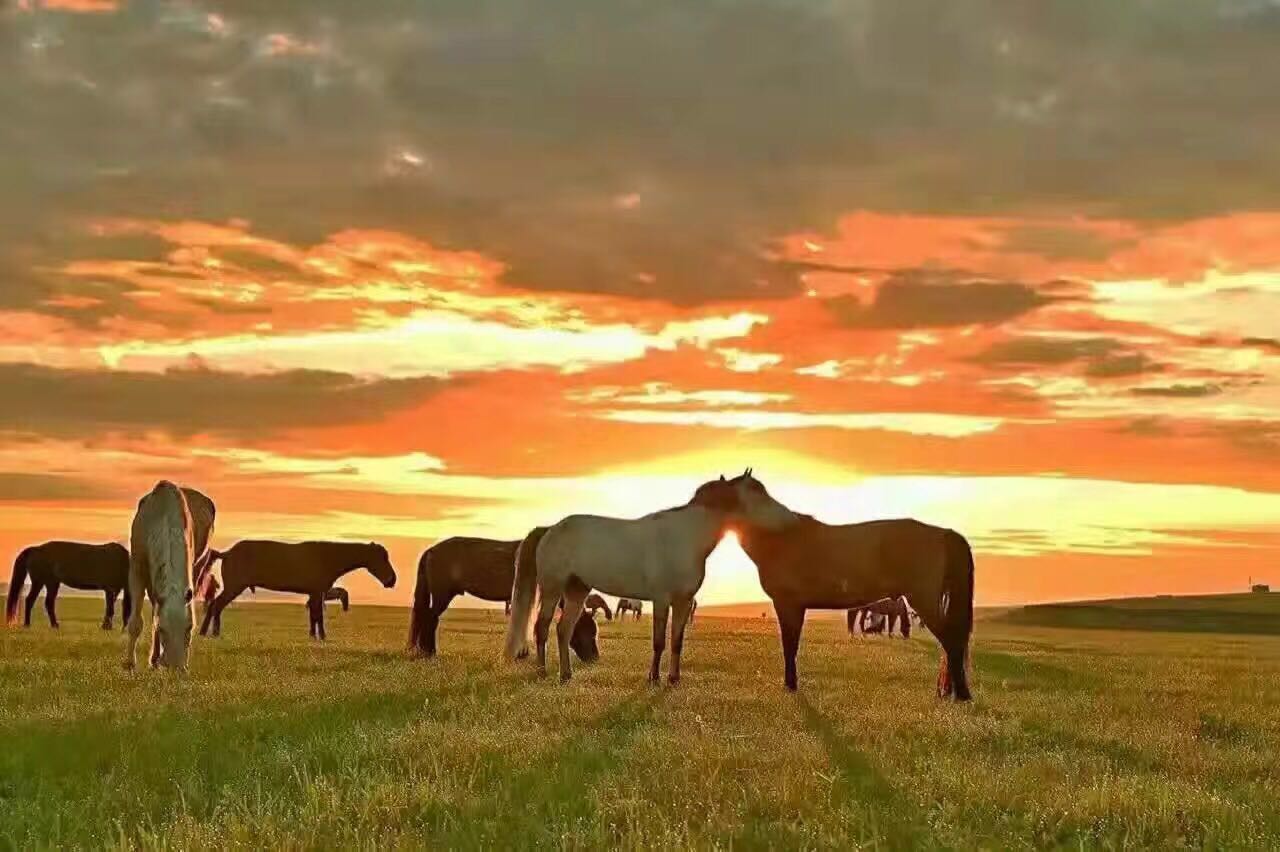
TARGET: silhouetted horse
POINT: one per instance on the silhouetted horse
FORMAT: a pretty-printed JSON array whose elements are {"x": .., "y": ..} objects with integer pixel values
[
  {"x": 806, "y": 564},
  {"x": 483, "y": 568},
  {"x": 310, "y": 568},
  {"x": 80, "y": 566},
  {"x": 626, "y": 605},
  {"x": 337, "y": 593},
  {"x": 894, "y": 611},
  {"x": 594, "y": 603}
]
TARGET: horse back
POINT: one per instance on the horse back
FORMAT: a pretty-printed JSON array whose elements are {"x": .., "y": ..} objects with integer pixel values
[
  {"x": 482, "y": 567},
  {"x": 848, "y": 565},
  {"x": 85, "y": 566}
]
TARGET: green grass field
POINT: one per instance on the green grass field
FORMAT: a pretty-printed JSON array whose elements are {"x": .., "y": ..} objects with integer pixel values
[
  {"x": 1244, "y": 613},
  {"x": 1078, "y": 738}
]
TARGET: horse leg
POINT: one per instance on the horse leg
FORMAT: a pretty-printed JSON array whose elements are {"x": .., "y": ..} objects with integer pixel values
[
  {"x": 681, "y": 616},
  {"x": 32, "y": 596},
  {"x": 790, "y": 622},
  {"x": 439, "y": 603},
  {"x": 214, "y": 612},
  {"x": 126, "y": 604},
  {"x": 155, "y": 635},
  {"x": 660, "y": 612},
  {"x": 320, "y": 617},
  {"x": 133, "y": 610},
  {"x": 109, "y": 615},
  {"x": 542, "y": 627},
  {"x": 51, "y": 601},
  {"x": 575, "y": 594}
]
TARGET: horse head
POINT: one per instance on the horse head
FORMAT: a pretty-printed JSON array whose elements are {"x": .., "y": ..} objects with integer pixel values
[
  {"x": 754, "y": 505},
  {"x": 583, "y": 640},
  {"x": 380, "y": 565}
]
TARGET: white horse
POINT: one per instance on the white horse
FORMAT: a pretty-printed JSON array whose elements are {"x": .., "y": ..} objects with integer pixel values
[
  {"x": 660, "y": 557},
  {"x": 161, "y": 565}
]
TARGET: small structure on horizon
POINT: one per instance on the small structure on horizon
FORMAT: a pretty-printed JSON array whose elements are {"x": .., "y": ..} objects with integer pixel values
[{"x": 1260, "y": 588}]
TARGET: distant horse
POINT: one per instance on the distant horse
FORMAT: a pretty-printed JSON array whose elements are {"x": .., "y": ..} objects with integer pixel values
[
  {"x": 337, "y": 593},
  {"x": 626, "y": 605},
  {"x": 594, "y": 603},
  {"x": 481, "y": 567},
  {"x": 895, "y": 610},
  {"x": 80, "y": 566},
  {"x": 806, "y": 564},
  {"x": 310, "y": 568},
  {"x": 660, "y": 557},
  {"x": 162, "y": 559}
]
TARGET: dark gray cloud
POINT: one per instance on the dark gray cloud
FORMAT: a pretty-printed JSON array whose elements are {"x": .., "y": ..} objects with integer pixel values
[
  {"x": 26, "y": 487},
  {"x": 656, "y": 149},
  {"x": 936, "y": 301},
  {"x": 1270, "y": 343},
  {"x": 47, "y": 401},
  {"x": 1041, "y": 351},
  {"x": 1186, "y": 391},
  {"x": 1104, "y": 357}
]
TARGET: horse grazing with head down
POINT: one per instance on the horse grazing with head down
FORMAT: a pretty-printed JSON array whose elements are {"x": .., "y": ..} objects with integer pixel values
[
  {"x": 893, "y": 610},
  {"x": 660, "y": 557},
  {"x": 483, "y": 568},
  {"x": 339, "y": 594},
  {"x": 162, "y": 559},
  {"x": 806, "y": 564},
  {"x": 310, "y": 568},
  {"x": 80, "y": 566},
  {"x": 594, "y": 603}
]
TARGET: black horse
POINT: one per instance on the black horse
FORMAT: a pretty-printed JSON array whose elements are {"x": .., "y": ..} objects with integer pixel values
[{"x": 103, "y": 567}]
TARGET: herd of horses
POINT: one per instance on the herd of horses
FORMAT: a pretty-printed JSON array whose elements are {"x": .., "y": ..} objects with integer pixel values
[{"x": 890, "y": 571}]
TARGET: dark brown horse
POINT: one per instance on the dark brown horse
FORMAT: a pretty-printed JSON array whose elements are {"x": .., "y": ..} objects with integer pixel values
[
  {"x": 483, "y": 568},
  {"x": 893, "y": 610},
  {"x": 595, "y": 603},
  {"x": 806, "y": 564},
  {"x": 310, "y": 568},
  {"x": 80, "y": 566}
]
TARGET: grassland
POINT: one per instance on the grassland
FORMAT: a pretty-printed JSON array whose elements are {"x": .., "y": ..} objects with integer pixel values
[
  {"x": 1244, "y": 613},
  {"x": 1076, "y": 739}
]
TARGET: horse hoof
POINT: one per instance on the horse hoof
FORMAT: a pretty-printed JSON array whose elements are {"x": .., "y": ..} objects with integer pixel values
[
  {"x": 673, "y": 679},
  {"x": 565, "y": 678},
  {"x": 792, "y": 686}
]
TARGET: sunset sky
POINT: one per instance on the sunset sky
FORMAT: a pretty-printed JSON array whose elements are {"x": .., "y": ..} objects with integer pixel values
[{"x": 405, "y": 270}]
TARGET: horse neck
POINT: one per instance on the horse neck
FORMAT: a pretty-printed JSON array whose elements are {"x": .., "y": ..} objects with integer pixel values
[{"x": 352, "y": 557}]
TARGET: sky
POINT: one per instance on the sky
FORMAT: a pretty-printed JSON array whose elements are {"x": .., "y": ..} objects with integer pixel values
[{"x": 405, "y": 270}]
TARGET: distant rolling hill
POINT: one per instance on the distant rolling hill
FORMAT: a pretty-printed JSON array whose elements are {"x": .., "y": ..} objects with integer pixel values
[{"x": 1242, "y": 613}]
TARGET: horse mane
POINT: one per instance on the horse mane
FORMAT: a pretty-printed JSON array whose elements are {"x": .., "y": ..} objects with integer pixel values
[{"x": 167, "y": 531}]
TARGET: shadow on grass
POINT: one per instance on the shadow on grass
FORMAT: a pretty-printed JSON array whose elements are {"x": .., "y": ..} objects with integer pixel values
[
  {"x": 550, "y": 798},
  {"x": 161, "y": 762}
]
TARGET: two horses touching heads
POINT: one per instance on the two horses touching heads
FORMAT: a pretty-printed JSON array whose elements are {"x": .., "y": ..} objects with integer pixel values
[{"x": 803, "y": 564}]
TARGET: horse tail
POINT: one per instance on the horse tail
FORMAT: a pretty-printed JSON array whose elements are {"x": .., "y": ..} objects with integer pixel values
[
  {"x": 956, "y": 608},
  {"x": 20, "y": 571},
  {"x": 523, "y": 592},
  {"x": 418, "y": 618}
]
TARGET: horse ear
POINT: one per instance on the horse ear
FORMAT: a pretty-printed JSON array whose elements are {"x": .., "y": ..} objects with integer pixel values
[{"x": 722, "y": 479}]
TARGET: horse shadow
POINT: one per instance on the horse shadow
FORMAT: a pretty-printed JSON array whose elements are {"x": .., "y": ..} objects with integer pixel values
[
  {"x": 556, "y": 787},
  {"x": 898, "y": 821}
]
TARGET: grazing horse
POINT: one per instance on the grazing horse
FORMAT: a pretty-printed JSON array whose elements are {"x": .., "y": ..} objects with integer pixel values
[
  {"x": 893, "y": 609},
  {"x": 206, "y": 592},
  {"x": 337, "y": 593},
  {"x": 80, "y": 566},
  {"x": 481, "y": 567},
  {"x": 660, "y": 557},
  {"x": 161, "y": 566},
  {"x": 310, "y": 568},
  {"x": 594, "y": 603},
  {"x": 806, "y": 564},
  {"x": 628, "y": 605}
]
